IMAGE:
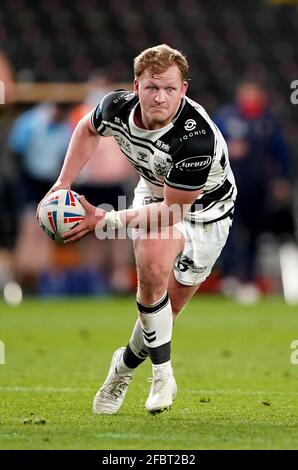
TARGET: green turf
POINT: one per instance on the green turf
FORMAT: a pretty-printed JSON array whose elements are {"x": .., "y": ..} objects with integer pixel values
[{"x": 237, "y": 388}]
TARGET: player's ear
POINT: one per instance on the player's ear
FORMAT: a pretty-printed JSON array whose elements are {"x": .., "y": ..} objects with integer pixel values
[
  {"x": 136, "y": 87},
  {"x": 184, "y": 87}
]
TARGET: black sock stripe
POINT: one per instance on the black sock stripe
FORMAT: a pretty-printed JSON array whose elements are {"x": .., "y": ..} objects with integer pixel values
[
  {"x": 132, "y": 360},
  {"x": 147, "y": 333},
  {"x": 150, "y": 340},
  {"x": 160, "y": 354},
  {"x": 153, "y": 308}
]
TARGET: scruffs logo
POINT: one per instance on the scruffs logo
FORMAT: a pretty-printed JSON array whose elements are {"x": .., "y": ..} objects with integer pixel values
[
  {"x": 186, "y": 264},
  {"x": 194, "y": 163},
  {"x": 190, "y": 125}
]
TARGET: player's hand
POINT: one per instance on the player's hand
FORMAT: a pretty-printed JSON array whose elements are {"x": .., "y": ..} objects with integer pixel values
[
  {"x": 93, "y": 218},
  {"x": 55, "y": 187}
]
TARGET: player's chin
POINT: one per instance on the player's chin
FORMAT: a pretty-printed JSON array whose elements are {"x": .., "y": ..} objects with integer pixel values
[{"x": 159, "y": 118}]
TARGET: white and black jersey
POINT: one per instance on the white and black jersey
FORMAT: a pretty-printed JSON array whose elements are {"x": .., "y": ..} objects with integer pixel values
[{"x": 190, "y": 153}]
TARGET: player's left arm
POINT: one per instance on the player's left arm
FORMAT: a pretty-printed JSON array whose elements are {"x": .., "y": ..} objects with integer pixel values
[
  {"x": 162, "y": 214},
  {"x": 183, "y": 184},
  {"x": 150, "y": 217}
]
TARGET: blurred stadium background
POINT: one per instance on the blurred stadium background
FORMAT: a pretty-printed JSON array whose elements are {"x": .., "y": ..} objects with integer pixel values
[{"x": 57, "y": 62}]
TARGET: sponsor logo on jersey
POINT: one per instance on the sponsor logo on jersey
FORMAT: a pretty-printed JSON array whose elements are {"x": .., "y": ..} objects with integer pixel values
[
  {"x": 130, "y": 96},
  {"x": 127, "y": 97},
  {"x": 194, "y": 163},
  {"x": 162, "y": 145},
  {"x": 192, "y": 134},
  {"x": 190, "y": 125}
]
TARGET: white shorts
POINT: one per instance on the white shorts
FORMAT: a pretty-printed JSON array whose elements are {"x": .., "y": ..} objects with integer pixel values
[{"x": 203, "y": 244}]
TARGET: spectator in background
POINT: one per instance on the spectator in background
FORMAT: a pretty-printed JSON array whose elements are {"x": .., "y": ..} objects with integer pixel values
[
  {"x": 8, "y": 190},
  {"x": 8, "y": 224},
  {"x": 260, "y": 161},
  {"x": 7, "y": 78},
  {"x": 39, "y": 138},
  {"x": 102, "y": 180}
]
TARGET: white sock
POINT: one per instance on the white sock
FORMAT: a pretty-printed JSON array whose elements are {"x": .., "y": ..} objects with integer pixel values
[
  {"x": 165, "y": 367},
  {"x": 136, "y": 341},
  {"x": 157, "y": 324}
]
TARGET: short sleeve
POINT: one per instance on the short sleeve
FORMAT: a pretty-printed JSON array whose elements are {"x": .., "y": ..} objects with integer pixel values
[
  {"x": 104, "y": 113},
  {"x": 97, "y": 121}
]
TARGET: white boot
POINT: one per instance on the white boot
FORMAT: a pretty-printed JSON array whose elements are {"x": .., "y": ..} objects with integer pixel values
[
  {"x": 163, "y": 389},
  {"x": 110, "y": 396}
]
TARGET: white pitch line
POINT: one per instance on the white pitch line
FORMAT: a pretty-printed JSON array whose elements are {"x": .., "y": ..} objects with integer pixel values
[
  {"x": 240, "y": 392},
  {"x": 40, "y": 389},
  {"x": 45, "y": 389}
]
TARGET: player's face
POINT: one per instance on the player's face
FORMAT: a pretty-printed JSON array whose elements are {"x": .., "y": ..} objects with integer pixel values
[{"x": 160, "y": 96}]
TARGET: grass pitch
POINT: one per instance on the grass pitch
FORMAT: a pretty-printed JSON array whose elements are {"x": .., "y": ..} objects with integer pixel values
[{"x": 237, "y": 388}]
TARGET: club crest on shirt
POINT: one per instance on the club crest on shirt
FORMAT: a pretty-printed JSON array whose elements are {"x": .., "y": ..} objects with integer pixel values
[
  {"x": 143, "y": 156},
  {"x": 161, "y": 164}
]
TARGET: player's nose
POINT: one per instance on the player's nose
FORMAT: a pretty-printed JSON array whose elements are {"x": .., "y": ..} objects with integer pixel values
[{"x": 160, "y": 96}]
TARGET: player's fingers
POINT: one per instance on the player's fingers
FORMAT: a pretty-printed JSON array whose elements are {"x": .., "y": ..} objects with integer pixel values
[
  {"x": 74, "y": 231},
  {"x": 77, "y": 237}
]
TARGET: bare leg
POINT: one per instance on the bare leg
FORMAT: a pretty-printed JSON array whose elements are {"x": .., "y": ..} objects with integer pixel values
[{"x": 179, "y": 294}]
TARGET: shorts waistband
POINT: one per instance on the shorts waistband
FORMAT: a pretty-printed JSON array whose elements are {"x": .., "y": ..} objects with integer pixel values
[{"x": 229, "y": 214}]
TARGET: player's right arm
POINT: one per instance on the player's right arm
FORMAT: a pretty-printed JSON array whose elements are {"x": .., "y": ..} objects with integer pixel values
[
  {"x": 84, "y": 141},
  {"x": 82, "y": 145}
]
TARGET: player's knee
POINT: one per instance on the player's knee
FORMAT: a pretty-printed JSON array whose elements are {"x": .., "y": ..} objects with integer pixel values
[
  {"x": 150, "y": 292},
  {"x": 152, "y": 274},
  {"x": 152, "y": 283}
]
